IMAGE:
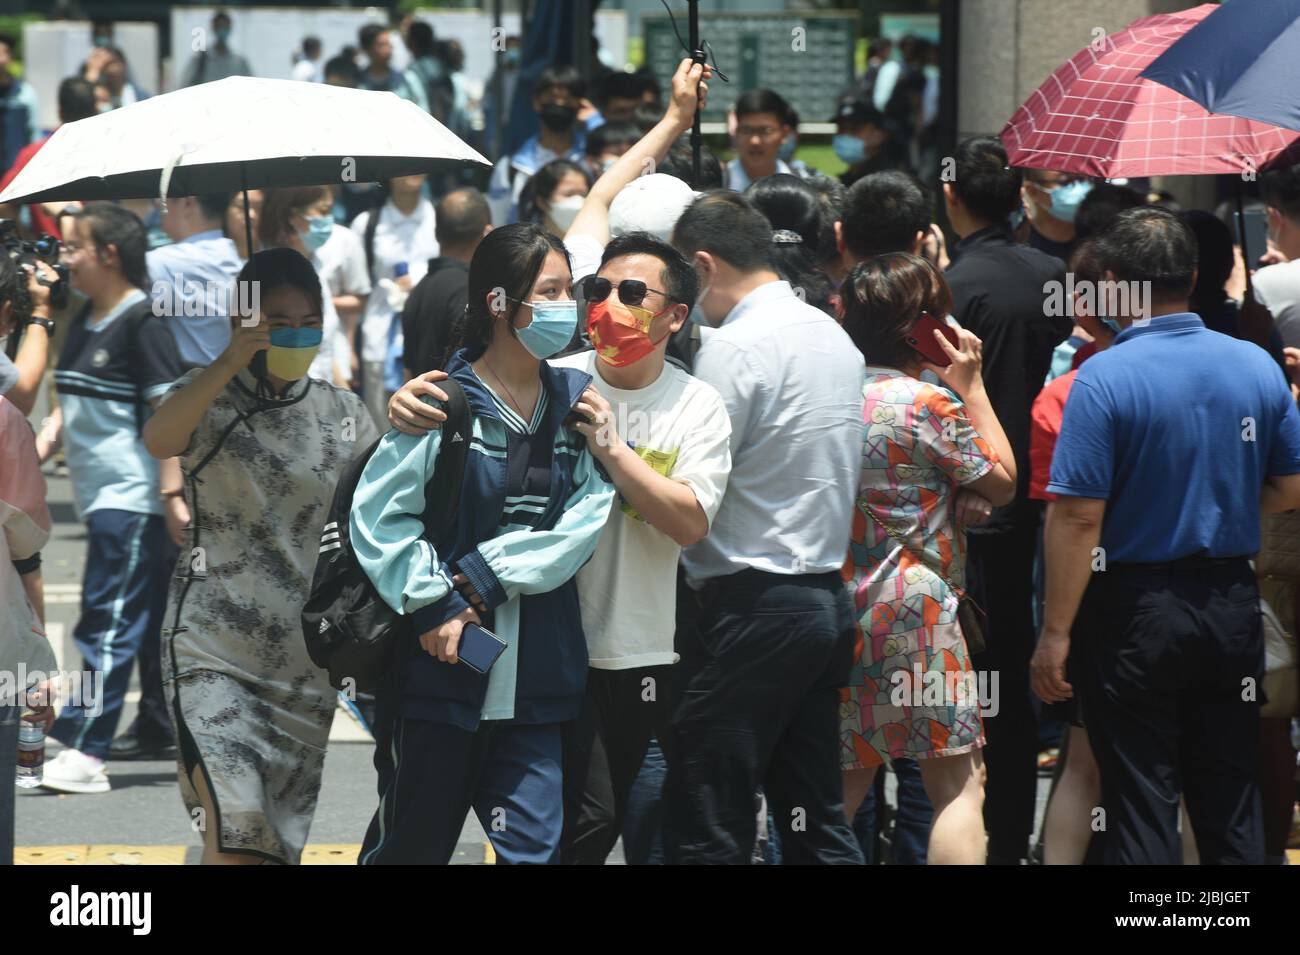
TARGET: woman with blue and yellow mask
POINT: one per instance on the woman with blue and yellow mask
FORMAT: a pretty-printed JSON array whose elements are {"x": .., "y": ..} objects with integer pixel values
[{"x": 262, "y": 445}]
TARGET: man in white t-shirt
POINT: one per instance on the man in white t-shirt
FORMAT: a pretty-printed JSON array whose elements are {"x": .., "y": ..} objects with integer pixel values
[
  {"x": 1277, "y": 287},
  {"x": 401, "y": 241},
  {"x": 342, "y": 265},
  {"x": 664, "y": 438}
]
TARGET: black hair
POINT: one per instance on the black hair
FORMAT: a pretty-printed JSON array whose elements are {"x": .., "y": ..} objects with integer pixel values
[
  {"x": 791, "y": 204},
  {"x": 543, "y": 183},
  {"x": 983, "y": 181},
  {"x": 762, "y": 101},
  {"x": 1101, "y": 205},
  {"x": 111, "y": 224},
  {"x": 1281, "y": 190},
  {"x": 649, "y": 84},
  {"x": 566, "y": 77},
  {"x": 618, "y": 84},
  {"x": 311, "y": 45},
  {"x": 646, "y": 117},
  {"x": 369, "y": 33},
  {"x": 9, "y": 40},
  {"x": 726, "y": 225},
  {"x": 1149, "y": 244},
  {"x": 678, "y": 278},
  {"x": 420, "y": 39},
  {"x": 831, "y": 193},
  {"x": 214, "y": 204},
  {"x": 883, "y": 212},
  {"x": 508, "y": 260},
  {"x": 611, "y": 134},
  {"x": 678, "y": 165},
  {"x": 76, "y": 99},
  {"x": 1083, "y": 263},
  {"x": 219, "y": 16},
  {"x": 1215, "y": 259},
  {"x": 13, "y": 289},
  {"x": 460, "y": 217},
  {"x": 883, "y": 298},
  {"x": 343, "y": 66},
  {"x": 280, "y": 266}
]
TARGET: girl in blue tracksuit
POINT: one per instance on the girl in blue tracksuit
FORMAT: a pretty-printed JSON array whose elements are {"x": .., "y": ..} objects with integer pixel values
[{"x": 532, "y": 507}]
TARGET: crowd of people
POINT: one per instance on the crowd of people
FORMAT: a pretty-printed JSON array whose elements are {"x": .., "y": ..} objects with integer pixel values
[{"x": 761, "y": 488}]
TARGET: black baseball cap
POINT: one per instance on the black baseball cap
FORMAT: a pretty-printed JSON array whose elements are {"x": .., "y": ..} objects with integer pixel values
[{"x": 857, "y": 110}]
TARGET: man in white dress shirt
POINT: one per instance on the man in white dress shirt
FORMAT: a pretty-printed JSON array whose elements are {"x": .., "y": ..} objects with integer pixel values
[{"x": 765, "y": 624}]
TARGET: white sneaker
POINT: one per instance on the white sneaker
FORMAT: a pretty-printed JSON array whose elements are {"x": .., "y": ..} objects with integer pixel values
[{"x": 74, "y": 772}]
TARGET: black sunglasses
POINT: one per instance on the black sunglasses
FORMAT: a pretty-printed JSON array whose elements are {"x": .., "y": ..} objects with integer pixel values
[{"x": 630, "y": 291}]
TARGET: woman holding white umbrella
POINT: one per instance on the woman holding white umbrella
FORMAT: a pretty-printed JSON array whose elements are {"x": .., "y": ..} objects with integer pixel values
[{"x": 251, "y": 712}]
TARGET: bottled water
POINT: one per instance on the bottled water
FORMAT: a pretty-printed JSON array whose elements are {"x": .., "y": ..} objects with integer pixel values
[{"x": 31, "y": 754}]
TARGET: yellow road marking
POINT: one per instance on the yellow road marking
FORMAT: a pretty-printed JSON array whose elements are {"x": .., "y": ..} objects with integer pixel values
[
  {"x": 51, "y": 855},
  {"x": 320, "y": 854}
]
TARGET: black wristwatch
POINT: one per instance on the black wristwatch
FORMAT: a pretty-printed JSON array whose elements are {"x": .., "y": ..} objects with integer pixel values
[{"x": 45, "y": 323}]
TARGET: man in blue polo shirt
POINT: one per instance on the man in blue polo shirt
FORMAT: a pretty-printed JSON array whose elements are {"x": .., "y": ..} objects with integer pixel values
[{"x": 1170, "y": 440}]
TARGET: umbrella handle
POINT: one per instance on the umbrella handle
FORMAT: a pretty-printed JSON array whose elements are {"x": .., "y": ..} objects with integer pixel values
[{"x": 248, "y": 220}]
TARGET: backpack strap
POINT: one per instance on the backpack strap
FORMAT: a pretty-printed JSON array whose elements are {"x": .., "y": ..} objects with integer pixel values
[{"x": 442, "y": 492}]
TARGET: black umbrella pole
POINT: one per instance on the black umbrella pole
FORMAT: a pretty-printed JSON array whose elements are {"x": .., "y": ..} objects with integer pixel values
[
  {"x": 248, "y": 219},
  {"x": 1241, "y": 236},
  {"x": 693, "y": 28}
]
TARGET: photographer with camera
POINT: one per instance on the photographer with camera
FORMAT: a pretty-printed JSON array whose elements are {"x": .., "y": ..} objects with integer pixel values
[{"x": 25, "y": 312}]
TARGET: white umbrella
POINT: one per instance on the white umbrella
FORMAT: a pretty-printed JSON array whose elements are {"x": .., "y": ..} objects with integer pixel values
[{"x": 239, "y": 133}]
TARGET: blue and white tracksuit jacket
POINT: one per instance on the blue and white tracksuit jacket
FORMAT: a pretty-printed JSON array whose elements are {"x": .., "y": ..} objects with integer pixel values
[{"x": 525, "y": 575}]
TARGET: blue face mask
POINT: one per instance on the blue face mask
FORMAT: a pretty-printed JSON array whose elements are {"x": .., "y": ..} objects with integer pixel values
[
  {"x": 319, "y": 229},
  {"x": 512, "y": 56},
  {"x": 1066, "y": 199},
  {"x": 788, "y": 145},
  {"x": 222, "y": 34},
  {"x": 1110, "y": 323},
  {"x": 850, "y": 149},
  {"x": 551, "y": 329},
  {"x": 1016, "y": 219}
]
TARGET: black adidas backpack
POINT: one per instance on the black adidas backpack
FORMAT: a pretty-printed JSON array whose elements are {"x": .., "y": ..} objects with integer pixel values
[{"x": 350, "y": 630}]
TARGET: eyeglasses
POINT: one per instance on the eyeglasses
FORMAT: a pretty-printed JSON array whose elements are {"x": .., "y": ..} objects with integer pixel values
[
  {"x": 763, "y": 132},
  {"x": 630, "y": 291}
]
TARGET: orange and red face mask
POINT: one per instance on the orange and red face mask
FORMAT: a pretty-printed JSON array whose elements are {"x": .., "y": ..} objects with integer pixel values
[{"x": 621, "y": 333}]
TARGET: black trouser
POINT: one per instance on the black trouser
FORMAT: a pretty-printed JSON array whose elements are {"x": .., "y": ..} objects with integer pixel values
[
  {"x": 1165, "y": 677},
  {"x": 763, "y": 658},
  {"x": 1000, "y": 577},
  {"x": 152, "y": 725},
  {"x": 603, "y": 751}
]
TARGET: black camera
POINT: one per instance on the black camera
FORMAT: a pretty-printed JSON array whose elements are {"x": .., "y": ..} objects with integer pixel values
[
  {"x": 44, "y": 248},
  {"x": 27, "y": 252}
]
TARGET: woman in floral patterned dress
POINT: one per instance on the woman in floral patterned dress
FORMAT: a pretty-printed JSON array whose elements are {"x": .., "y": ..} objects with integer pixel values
[
  {"x": 261, "y": 444},
  {"x": 926, "y": 453}
]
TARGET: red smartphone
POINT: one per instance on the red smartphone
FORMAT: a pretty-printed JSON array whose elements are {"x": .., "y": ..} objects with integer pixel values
[{"x": 921, "y": 338}]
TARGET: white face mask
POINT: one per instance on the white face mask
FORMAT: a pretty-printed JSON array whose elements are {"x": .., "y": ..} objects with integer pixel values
[{"x": 564, "y": 211}]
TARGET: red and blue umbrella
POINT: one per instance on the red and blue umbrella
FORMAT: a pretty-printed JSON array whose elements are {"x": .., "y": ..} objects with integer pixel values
[
  {"x": 1097, "y": 115},
  {"x": 1241, "y": 60}
]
